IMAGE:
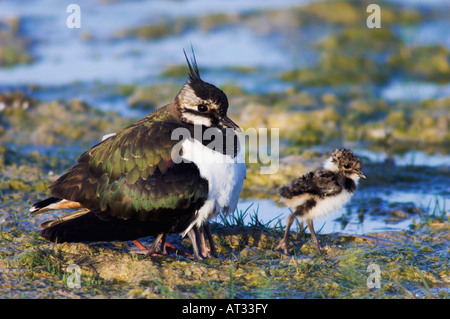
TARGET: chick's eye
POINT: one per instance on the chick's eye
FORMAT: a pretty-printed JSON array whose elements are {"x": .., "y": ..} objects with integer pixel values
[
  {"x": 347, "y": 166},
  {"x": 202, "y": 108}
]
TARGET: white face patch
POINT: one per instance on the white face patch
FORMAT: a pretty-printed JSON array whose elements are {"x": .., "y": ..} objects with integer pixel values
[
  {"x": 196, "y": 119},
  {"x": 190, "y": 101},
  {"x": 330, "y": 165},
  {"x": 355, "y": 177},
  {"x": 188, "y": 98}
]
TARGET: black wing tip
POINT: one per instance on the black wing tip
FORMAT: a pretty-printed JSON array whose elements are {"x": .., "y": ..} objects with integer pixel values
[
  {"x": 194, "y": 73},
  {"x": 36, "y": 207},
  {"x": 284, "y": 192}
]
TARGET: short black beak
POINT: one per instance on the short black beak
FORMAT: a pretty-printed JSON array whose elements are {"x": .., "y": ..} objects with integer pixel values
[
  {"x": 227, "y": 122},
  {"x": 361, "y": 174}
]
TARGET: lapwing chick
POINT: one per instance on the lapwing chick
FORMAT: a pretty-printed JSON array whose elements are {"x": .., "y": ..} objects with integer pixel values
[
  {"x": 155, "y": 177},
  {"x": 318, "y": 193}
]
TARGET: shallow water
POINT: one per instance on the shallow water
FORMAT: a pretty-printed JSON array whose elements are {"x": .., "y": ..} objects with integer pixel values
[
  {"x": 413, "y": 158},
  {"x": 414, "y": 91},
  {"x": 269, "y": 212}
]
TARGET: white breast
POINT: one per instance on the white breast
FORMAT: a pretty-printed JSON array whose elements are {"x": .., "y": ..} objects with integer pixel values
[
  {"x": 225, "y": 176},
  {"x": 323, "y": 207},
  {"x": 329, "y": 204}
]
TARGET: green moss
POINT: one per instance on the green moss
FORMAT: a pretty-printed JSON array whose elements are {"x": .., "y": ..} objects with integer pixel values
[
  {"x": 333, "y": 12},
  {"x": 310, "y": 128},
  {"x": 176, "y": 71},
  {"x": 426, "y": 63},
  {"x": 179, "y": 25},
  {"x": 15, "y": 47},
  {"x": 32, "y": 258},
  {"x": 154, "y": 96},
  {"x": 353, "y": 13},
  {"x": 358, "y": 40},
  {"x": 243, "y": 69},
  {"x": 337, "y": 69},
  {"x": 125, "y": 89},
  {"x": 155, "y": 31},
  {"x": 15, "y": 185},
  {"x": 47, "y": 123}
]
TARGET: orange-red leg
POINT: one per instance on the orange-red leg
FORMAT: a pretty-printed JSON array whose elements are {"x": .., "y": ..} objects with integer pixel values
[
  {"x": 138, "y": 244},
  {"x": 164, "y": 244},
  {"x": 142, "y": 248}
]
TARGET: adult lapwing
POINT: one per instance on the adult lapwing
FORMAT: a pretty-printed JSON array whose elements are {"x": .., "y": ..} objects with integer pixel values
[{"x": 170, "y": 172}]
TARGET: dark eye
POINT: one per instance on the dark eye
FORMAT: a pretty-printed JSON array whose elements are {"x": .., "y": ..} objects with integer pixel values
[
  {"x": 202, "y": 108},
  {"x": 347, "y": 166}
]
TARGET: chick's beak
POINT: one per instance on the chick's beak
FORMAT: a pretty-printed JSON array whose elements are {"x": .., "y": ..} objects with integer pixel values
[
  {"x": 361, "y": 174},
  {"x": 225, "y": 121}
]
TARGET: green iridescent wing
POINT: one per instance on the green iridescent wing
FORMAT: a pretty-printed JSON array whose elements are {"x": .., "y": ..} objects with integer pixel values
[{"x": 131, "y": 174}]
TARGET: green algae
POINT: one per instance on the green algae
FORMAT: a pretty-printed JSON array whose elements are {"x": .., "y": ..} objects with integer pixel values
[
  {"x": 379, "y": 52},
  {"x": 173, "y": 26},
  {"x": 14, "y": 47},
  {"x": 335, "y": 69},
  {"x": 345, "y": 54},
  {"x": 273, "y": 21},
  {"x": 424, "y": 63},
  {"x": 394, "y": 125},
  {"x": 149, "y": 98},
  {"x": 46, "y": 123}
]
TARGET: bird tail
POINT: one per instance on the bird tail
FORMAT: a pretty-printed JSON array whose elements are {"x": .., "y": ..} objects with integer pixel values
[
  {"x": 53, "y": 203},
  {"x": 87, "y": 226},
  {"x": 285, "y": 192},
  {"x": 69, "y": 228}
]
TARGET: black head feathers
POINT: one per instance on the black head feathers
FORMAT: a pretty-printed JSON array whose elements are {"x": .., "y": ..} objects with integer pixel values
[
  {"x": 194, "y": 73},
  {"x": 206, "y": 92}
]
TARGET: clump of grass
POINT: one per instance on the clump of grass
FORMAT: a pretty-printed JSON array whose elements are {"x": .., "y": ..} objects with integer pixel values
[
  {"x": 432, "y": 215},
  {"x": 305, "y": 268},
  {"x": 39, "y": 263},
  {"x": 239, "y": 217},
  {"x": 232, "y": 285}
]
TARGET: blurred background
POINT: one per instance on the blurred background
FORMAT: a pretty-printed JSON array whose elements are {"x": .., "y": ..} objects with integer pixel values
[{"x": 311, "y": 68}]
